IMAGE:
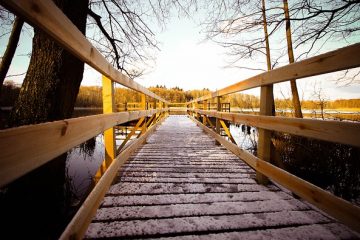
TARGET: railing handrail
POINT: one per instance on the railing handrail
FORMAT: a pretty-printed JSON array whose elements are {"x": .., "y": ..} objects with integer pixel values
[
  {"x": 340, "y": 59},
  {"x": 47, "y": 16},
  {"x": 53, "y": 139},
  {"x": 327, "y": 130}
]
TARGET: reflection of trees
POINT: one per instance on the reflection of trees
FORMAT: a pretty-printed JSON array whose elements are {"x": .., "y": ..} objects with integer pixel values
[
  {"x": 88, "y": 147},
  {"x": 336, "y": 169}
]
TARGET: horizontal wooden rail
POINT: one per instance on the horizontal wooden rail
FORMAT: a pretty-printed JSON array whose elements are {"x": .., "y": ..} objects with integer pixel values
[
  {"x": 336, "y": 207},
  {"x": 28, "y": 147},
  {"x": 340, "y": 59},
  {"x": 45, "y": 15},
  {"x": 80, "y": 222},
  {"x": 333, "y": 131}
]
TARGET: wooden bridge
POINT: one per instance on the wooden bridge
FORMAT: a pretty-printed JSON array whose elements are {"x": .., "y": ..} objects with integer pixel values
[{"x": 180, "y": 178}]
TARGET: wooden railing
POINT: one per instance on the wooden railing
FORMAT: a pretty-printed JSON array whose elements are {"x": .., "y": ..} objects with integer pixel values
[
  {"x": 21, "y": 153},
  {"x": 333, "y": 131}
]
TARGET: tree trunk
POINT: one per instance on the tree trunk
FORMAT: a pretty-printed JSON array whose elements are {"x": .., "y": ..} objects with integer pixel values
[
  {"x": 53, "y": 78},
  {"x": 268, "y": 56},
  {"x": 7, "y": 58},
  {"x": 48, "y": 93},
  {"x": 10, "y": 49},
  {"x": 294, "y": 91},
  {"x": 275, "y": 157}
]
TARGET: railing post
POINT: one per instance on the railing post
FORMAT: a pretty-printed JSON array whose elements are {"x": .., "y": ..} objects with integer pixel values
[
  {"x": 143, "y": 106},
  {"x": 205, "y": 105},
  {"x": 264, "y": 143},
  {"x": 218, "y": 125},
  {"x": 108, "y": 107}
]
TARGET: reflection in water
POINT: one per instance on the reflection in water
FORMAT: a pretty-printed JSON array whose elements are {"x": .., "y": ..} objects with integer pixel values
[
  {"x": 245, "y": 136},
  {"x": 82, "y": 163}
]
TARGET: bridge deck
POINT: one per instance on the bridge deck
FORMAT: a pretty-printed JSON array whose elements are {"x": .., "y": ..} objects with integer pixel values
[{"x": 181, "y": 185}]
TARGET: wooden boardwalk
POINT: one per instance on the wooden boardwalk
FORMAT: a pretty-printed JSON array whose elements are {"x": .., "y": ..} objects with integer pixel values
[{"x": 180, "y": 185}]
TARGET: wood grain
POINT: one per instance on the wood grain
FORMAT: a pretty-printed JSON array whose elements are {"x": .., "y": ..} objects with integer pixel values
[
  {"x": 332, "y": 131},
  {"x": 28, "y": 147}
]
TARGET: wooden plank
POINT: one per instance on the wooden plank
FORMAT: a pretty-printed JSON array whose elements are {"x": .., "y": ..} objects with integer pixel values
[
  {"x": 166, "y": 199},
  {"x": 198, "y": 209},
  {"x": 337, "y": 60},
  {"x": 332, "y": 131},
  {"x": 28, "y": 147},
  {"x": 336, "y": 207},
  {"x": 78, "y": 225},
  {"x": 45, "y": 15},
  {"x": 163, "y": 227}
]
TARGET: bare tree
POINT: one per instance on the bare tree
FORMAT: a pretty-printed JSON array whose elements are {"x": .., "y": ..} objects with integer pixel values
[
  {"x": 294, "y": 90},
  {"x": 10, "y": 49}
]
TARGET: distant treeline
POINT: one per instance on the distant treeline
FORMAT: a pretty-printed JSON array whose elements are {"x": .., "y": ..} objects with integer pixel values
[{"x": 90, "y": 96}]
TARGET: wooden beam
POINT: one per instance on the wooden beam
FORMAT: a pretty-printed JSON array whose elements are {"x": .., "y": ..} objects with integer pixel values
[
  {"x": 80, "y": 222},
  {"x": 150, "y": 121},
  {"x": 227, "y": 131},
  {"x": 27, "y": 147},
  {"x": 209, "y": 122},
  {"x": 336, "y": 207},
  {"x": 218, "y": 124},
  {"x": 264, "y": 142},
  {"x": 143, "y": 106},
  {"x": 205, "y": 105},
  {"x": 130, "y": 134},
  {"x": 327, "y": 130},
  {"x": 333, "y": 61},
  {"x": 108, "y": 107},
  {"x": 49, "y": 18}
]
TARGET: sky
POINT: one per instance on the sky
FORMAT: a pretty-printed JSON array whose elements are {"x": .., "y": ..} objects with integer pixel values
[{"x": 187, "y": 61}]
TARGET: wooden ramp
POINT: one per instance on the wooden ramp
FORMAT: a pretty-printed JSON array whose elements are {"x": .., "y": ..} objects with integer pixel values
[{"x": 180, "y": 185}]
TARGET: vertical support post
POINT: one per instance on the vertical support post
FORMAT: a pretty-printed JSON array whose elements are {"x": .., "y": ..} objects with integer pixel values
[
  {"x": 218, "y": 125},
  {"x": 143, "y": 106},
  {"x": 154, "y": 107},
  {"x": 205, "y": 105},
  {"x": 264, "y": 143},
  {"x": 108, "y": 107}
]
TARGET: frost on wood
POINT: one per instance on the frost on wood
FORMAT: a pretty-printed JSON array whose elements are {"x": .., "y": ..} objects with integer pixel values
[{"x": 180, "y": 184}]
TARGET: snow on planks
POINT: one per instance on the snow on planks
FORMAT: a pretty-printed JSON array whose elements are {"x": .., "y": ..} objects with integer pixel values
[{"x": 180, "y": 185}]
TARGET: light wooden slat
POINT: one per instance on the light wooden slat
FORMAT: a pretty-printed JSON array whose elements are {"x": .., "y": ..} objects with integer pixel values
[
  {"x": 45, "y": 15},
  {"x": 333, "y": 131},
  {"x": 108, "y": 107},
  {"x": 340, "y": 59},
  {"x": 336, "y": 207},
  {"x": 130, "y": 135},
  {"x": 227, "y": 131},
  {"x": 78, "y": 225},
  {"x": 28, "y": 147}
]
